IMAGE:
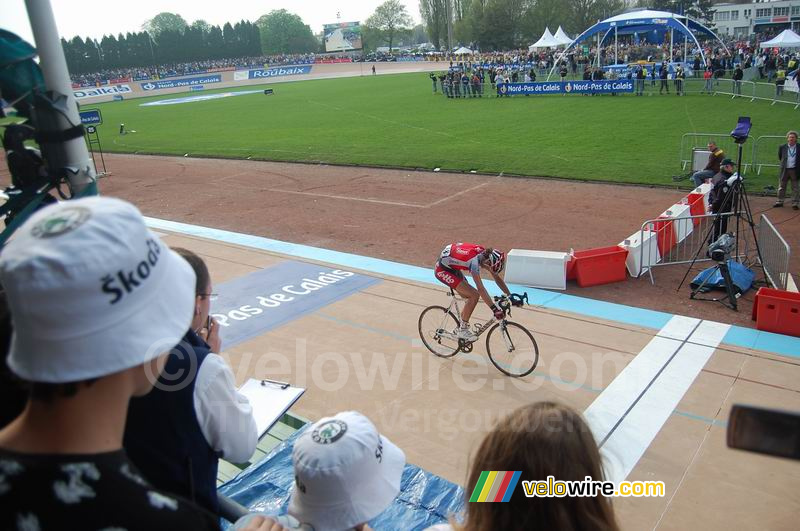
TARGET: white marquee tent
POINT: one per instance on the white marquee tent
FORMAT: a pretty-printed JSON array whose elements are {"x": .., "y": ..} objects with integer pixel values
[
  {"x": 546, "y": 41},
  {"x": 562, "y": 37},
  {"x": 786, "y": 39},
  {"x": 463, "y": 51}
]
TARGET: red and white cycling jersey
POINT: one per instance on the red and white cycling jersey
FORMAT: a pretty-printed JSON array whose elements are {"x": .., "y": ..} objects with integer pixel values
[{"x": 462, "y": 256}]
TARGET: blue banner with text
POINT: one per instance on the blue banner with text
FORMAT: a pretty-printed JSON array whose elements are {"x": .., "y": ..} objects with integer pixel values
[
  {"x": 91, "y": 117},
  {"x": 187, "y": 82},
  {"x": 251, "y": 305},
  {"x": 566, "y": 87}
]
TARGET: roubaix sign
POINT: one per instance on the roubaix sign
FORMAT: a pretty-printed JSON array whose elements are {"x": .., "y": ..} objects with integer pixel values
[
  {"x": 279, "y": 71},
  {"x": 173, "y": 83},
  {"x": 566, "y": 87},
  {"x": 113, "y": 90}
]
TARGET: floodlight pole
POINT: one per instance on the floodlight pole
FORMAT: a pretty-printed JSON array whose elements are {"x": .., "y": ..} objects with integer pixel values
[
  {"x": 449, "y": 26},
  {"x": 68, "y": 157},
  {"x": 671, "y": 44},
  {"x": 685, "y": 49}
]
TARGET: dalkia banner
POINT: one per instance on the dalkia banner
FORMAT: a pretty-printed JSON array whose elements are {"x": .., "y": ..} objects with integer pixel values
[
  {"x": 566, "y": 87},
  {"x": 102, "y": 91}
]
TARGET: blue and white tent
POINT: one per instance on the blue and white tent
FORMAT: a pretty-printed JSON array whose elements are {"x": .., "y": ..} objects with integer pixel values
[{"x": 643, "y": 21}]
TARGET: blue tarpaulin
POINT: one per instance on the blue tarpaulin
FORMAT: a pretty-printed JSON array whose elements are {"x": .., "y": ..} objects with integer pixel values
[
  {"x": 741, "y": 276},
  {"x": 424, "y": 500}
]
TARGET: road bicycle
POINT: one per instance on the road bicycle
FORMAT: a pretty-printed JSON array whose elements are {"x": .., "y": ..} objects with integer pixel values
[{"x": 511, "y": 347}]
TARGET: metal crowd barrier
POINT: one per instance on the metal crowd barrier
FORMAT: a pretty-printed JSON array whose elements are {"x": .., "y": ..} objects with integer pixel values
[
  {"x": 735, "y": 89},
  {"x": 775, "y": 254},
  {"x": 771, "y": 92},
  {"x": 676, "y": 240},
  {"x": 760, "y": 158},
  {"x": 692, "y": 141}
]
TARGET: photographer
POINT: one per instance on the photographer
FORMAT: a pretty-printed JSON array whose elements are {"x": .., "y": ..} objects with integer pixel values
[{"x": 721, "y": 198}]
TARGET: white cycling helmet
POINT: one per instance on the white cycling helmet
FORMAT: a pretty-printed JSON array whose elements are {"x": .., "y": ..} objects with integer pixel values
[{"x": 497, "y": 261}]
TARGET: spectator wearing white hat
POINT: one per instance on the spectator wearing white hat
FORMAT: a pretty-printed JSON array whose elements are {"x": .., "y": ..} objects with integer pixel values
[
  {"x": 346, "y": 473},
  {"x": 176, "y": 434},
  {"x": 96, "y": 300}
]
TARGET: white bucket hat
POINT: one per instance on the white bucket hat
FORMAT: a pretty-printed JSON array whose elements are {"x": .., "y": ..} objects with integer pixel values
[
  {"x": 92, "y": 292},
  {"x": 346, "y": 473}
]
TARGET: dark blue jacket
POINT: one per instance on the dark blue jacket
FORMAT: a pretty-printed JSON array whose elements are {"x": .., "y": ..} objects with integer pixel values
[{"x": 162, "y": 435}]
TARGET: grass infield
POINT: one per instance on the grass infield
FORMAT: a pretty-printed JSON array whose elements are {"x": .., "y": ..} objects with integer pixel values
[{"x": 395, "y": 120}]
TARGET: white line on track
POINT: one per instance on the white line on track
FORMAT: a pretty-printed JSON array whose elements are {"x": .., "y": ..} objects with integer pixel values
[
  {"x": 629, "y": 413},
  {"x": 328, "y": 196},
  {"x": 379, "y": 201},
  {"x": 442, "y": 200}
]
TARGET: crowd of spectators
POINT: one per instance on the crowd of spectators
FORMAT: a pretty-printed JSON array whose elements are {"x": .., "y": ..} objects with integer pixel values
[
  {"x": 162, "y": 71},
  {"x": 469, "y": 75},
  {"x": 201, "y": 67}
]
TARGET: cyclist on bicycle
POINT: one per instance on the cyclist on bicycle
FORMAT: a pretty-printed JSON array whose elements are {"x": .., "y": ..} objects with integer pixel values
[{"x": 458, "y": 257}]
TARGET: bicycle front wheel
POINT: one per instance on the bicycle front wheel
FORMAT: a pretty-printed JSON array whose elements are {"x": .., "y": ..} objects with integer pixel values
[
  {"x": 512, "y": 349},
  {"x": 436, "y": 326}
]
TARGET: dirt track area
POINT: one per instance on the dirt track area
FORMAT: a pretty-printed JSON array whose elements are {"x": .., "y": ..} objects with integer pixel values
[{"x": 408, "y": 216}]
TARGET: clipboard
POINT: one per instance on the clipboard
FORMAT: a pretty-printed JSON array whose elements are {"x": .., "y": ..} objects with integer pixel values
[{"x": 270, "y": 400}]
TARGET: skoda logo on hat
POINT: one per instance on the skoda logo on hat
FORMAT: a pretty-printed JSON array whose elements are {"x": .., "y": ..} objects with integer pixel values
[
  {"x": 61, "y": 222},
  {"x": 329, "y": 432}
]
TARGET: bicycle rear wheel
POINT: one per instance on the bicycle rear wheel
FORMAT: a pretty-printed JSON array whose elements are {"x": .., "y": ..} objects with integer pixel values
[
  {"x": 436, "y": 325},
  {"x": 512, "y": 349}
]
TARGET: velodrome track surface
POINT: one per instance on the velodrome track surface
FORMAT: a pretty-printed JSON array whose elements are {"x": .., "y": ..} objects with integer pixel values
[
  {"x": 658, "y": 398},
  {"x": 408, "y": 216}
]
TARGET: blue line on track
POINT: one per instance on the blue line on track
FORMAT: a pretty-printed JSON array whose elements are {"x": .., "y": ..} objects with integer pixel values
[{"x": 736, "y": 336}]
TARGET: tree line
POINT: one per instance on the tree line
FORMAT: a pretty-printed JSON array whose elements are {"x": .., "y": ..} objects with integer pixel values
[
  {"x": 509, "y": 24},
  {"x": 168, "y": 38},
  {"x": 486, "y": 24}
]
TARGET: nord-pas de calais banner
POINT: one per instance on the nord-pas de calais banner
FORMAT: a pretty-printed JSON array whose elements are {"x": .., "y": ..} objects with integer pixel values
[
  {"x": 566, "y": 87},
  {"x": 173, "y": 83},
  {"x": 256, "y": 303},
  {"x": 277, "y": 71},
  {"x": 102, "y": 91}
]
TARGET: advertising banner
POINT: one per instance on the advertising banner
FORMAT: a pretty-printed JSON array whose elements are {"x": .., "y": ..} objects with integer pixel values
[
  {"x": 342, "y": 36},
  {"x": 566, "y": 87},
  {"x": 188, "y": 82},
  {"x": 256, "y": 303},
  {"x": 277, "y": 71},
  {"x": 102, "y": 91},
  {"x": 91, "y": 117}
]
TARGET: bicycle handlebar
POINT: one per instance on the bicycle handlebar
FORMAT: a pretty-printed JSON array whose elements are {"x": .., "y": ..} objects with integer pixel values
[{"x": 506, "y": 303}]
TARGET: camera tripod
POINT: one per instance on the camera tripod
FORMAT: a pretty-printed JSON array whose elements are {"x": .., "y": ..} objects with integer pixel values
[
  {"x": 736, "y": 204},
  {"x": 729, "y": 299}
]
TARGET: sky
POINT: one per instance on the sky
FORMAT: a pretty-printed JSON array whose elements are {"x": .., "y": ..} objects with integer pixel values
[{"x": 92, "y": 18}]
